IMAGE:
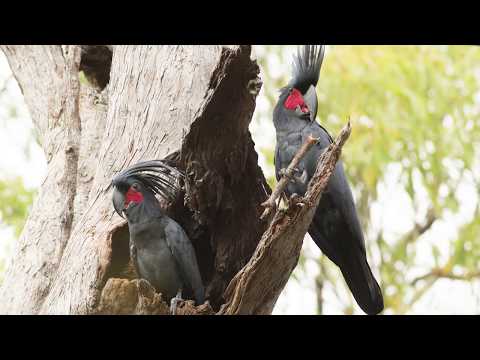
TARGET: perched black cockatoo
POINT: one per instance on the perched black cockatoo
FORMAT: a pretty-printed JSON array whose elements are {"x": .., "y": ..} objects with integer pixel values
[
  {"x": 160, "y": 250},
  {"x": 335, "y": 227}
]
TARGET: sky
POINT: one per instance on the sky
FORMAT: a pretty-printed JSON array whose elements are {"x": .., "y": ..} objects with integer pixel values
[{"x": 25, "y": 159}]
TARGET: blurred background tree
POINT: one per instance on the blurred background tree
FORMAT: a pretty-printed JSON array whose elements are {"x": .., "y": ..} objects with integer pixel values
[
  {"x": 412, "y": 160},
  {"x": 18, "y": 176}
]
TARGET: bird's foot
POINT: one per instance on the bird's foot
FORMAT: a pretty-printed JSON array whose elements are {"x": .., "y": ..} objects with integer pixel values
[
  {"x": 301, "y": 179},
  {"x": 296, "y": 200},
  {"x": 282, "y": 172},
  {"x": 173, "y": 305},
  {"x": 174, "y": 302}
]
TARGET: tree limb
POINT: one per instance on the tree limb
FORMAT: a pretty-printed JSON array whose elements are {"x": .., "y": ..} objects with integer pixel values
[
  {"x": 419, "y": 229},
  {"x": 148, "y": 119},
  {"x": 48, "y": 77},
  {"x": 440, "y": 273},
  {"x": 255, "y": 289},
  {"x": 161, "y": 100}
]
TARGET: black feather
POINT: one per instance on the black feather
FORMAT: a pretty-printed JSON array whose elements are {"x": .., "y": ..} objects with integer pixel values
[
  {"x": 155, "y": 175},
  {"x": 306, "y": 67}
]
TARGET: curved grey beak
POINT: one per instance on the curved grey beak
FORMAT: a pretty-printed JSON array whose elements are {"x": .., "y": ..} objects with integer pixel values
[{"x": 118, "y": 202}]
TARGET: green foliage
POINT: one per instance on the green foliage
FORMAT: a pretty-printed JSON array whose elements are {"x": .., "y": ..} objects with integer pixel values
[
  {"x": 82, "y": 78},
  {"x": 416, "y": 108},
  {"x": 15, "y": 201}
]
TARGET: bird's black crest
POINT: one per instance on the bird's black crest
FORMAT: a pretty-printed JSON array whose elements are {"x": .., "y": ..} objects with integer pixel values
[
  {"x": 155, "y": 175},
  {"x": 306, "y": 67}
]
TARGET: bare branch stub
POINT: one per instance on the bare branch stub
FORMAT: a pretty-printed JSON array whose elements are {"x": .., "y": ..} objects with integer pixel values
[{"x": 257, "y": 286}]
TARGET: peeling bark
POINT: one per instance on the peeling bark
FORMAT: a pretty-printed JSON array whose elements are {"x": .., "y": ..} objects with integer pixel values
[
  {"x": 189, "y": 104},
  {"x": 192, "y": 102},
  {"x": 138, "y": 297},
  {"x": 50, "y": 85}
]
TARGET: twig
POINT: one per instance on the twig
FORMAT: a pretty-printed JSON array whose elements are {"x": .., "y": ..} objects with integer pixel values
[
  {"x": 287, "y": 177},
  {"x": 419, "y": 294},
  {"x": 256, "y": 287},
  {"x": 440, "y": 273}
]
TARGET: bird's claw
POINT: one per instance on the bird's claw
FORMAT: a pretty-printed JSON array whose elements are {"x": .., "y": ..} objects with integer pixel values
[
  {"x": 282, "y": 172},
  {"x": 174, "y": 302},
  {"x": 173, "y": 305},
  {"x": 302, "y": 179},
  {"x": 296, "y": 199}
]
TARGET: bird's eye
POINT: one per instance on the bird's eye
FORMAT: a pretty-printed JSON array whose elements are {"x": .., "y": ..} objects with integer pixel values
[{"x": 135, "y": 186}]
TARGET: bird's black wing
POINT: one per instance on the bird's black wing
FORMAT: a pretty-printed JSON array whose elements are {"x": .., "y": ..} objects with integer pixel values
[
  {"x": 338, "y": 188},
  {"x": 336, "y": 229},
  {"x": 325, "y": 133},
  {"x": 186, "y": 259},
  {"x": 277, "y": 161}
]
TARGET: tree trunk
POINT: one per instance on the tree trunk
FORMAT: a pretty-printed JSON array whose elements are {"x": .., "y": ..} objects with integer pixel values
[{"x": 191, "y": 104}]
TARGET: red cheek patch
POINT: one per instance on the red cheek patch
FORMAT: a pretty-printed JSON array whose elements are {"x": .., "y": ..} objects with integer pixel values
[
  {"x": 296, "y": 99},
  {"x": 133, "y": 195}
]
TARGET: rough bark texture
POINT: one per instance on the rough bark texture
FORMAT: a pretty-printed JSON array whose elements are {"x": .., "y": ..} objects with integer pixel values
[
  {"x": 194, "y": 102},
  {"x": 189, "y": 104},
  {"x": 54, "y": 109},
  {"x": 138, "y": 297},
  {"x": 257, "y": 286}
]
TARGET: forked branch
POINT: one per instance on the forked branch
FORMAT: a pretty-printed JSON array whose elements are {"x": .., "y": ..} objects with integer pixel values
[{"x": 256, "y": 288}]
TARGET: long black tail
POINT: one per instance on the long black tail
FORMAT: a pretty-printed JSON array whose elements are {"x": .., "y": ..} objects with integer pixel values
[
  {"x": 351, "y": 260},
  {"x": 362, "y": 283},
  {"x": 306, "y": 67}
]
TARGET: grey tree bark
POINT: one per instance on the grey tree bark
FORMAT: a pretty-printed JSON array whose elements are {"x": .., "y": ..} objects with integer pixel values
[{"x": 191, "y": 104}]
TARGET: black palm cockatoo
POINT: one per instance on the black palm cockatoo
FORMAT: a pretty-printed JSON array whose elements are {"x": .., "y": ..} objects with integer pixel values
[
  {"x": 335, "y": 227},
  {"x": 160, "y": 250}
]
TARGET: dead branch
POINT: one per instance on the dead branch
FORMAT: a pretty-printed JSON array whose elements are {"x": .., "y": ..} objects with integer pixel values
[
  {"x": 256, "y": 288},
  {"x": 287, "y": 177},
  {"x": 71, "y": 245}
]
